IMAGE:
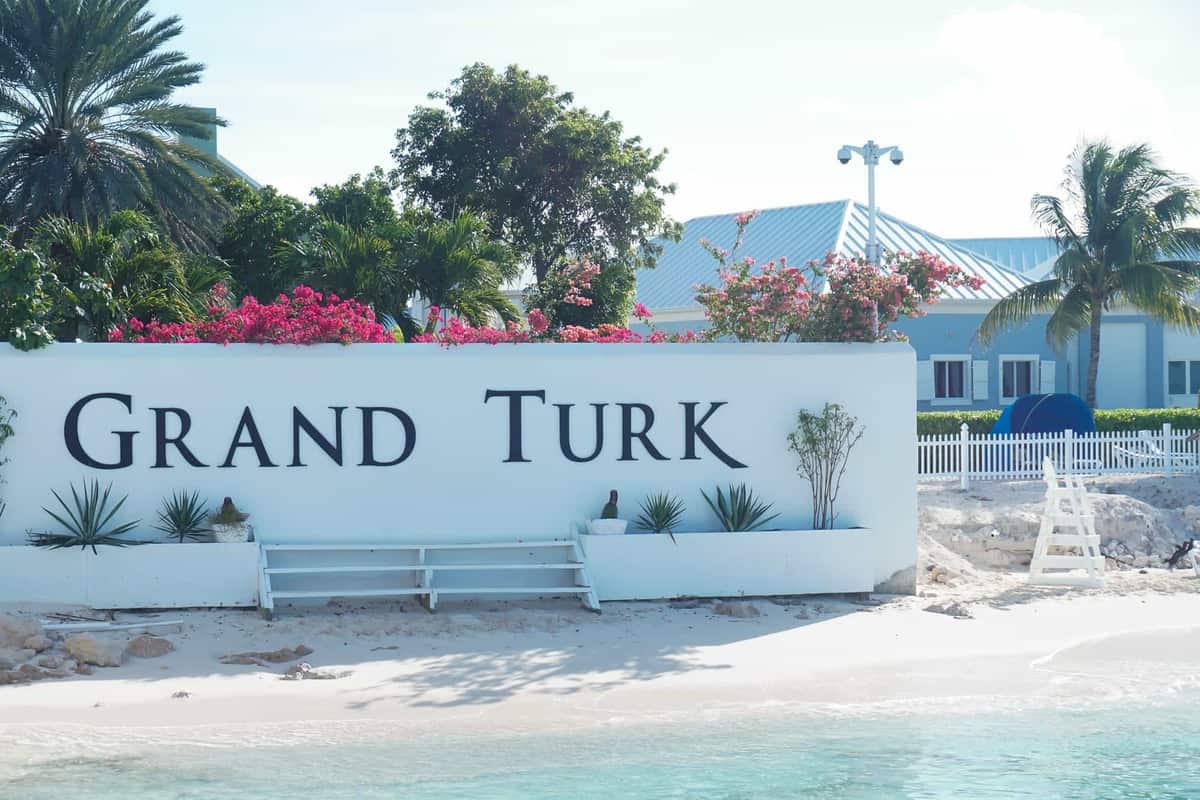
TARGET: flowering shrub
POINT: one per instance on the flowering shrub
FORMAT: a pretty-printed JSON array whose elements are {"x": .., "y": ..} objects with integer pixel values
[
  {"x": 770, "y": 305},
  {"x": 570, "y": 286},
  {"x": 456, "y": 332},
  {"x": 843, "y": 299},
  {"x": 307, "y": 317},
  {"x": 861, "y": 300}
]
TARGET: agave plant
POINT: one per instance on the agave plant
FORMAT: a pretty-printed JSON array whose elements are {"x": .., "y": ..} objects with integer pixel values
[
  {"x": 183, "y": 516},
  {"x": 661, "y": 513},
  {"x": 87, "y": 523},
  {"x": 741, "y": 510}
]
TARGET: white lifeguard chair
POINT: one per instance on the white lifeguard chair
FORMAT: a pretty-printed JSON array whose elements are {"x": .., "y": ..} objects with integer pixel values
[{"x": 1069, "y": 526}]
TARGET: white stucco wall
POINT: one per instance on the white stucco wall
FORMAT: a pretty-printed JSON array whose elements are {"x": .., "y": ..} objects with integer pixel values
[{"x": 457, "y": 485}]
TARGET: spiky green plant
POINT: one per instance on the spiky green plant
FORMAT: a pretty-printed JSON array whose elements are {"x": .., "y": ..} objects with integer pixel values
[
  {"x": 87, "y": 523},
  {"x": 741, "y": 510},
  {"x": 183, "y": 516},
  {"x": 661, "y": 513}
]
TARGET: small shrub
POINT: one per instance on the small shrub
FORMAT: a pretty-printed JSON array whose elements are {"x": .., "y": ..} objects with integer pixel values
[
  {"x": 1107, "y": 419},
  {"x": 7, "y": 415},
  {"x": 823, "y": 442},
  {"x": 930, "y": 423},
  {"x": 741, "y": 511},
  {"x": 87, "y": 523}
]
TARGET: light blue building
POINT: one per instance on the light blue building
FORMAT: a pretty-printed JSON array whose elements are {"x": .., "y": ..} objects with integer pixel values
[
  {"x": 209, "y": 146},
  {"x": 1143, "y": 364}
]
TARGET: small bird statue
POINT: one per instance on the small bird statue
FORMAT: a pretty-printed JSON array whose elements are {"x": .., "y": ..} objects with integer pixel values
[
  {"x": 229, "y": 513},
  {"x": 610, "y": 508}
]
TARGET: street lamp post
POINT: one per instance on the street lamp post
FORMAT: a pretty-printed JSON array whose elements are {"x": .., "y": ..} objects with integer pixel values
[{"x": 870, "y": 153}]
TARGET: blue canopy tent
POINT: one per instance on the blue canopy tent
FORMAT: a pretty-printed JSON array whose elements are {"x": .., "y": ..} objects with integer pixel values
[{"x": 1046, "y": 413}]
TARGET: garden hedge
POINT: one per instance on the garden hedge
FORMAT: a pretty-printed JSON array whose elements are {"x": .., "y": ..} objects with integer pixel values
[{"x": 1115, "y": 419}]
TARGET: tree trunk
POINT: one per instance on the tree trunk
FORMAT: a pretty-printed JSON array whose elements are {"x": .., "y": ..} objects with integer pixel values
[{"x": 1093, "y": 356}]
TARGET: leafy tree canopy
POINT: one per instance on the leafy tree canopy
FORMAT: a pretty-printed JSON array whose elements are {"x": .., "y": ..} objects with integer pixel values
[
  {"x": 263, "y": 221},
  {"x": 555, "y": 181},
  {"x": 358, "y": 202}
]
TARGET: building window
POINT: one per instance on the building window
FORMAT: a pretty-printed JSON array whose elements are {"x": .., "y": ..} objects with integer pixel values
[
  {"x": 1183, "y": 377},
  {"x": 1018, "y": 377},
  {"x": 951, "y": 377}
]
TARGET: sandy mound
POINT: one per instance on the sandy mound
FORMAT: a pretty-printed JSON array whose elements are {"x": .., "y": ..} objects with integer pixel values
[{"x": 1140, "y": 519}]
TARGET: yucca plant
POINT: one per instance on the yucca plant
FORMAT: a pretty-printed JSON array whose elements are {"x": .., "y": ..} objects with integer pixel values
[
  {"x": 183, "y": 516},
  {"x": 741, "y": 510},
  {"x": 661, "y": 513},
  {"x": 87, "y": 523}
]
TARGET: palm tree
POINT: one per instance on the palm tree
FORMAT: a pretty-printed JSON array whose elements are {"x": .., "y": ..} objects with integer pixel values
[
  {"x": 87, "y": 122},
  {"x": 456, "y": 265},
  {"x": 123, "y": 269},
  {"x": 1123, "y": 241},
  {"x": 352, "y": 262}
]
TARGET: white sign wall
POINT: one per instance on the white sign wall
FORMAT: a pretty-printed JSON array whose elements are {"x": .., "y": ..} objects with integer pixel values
[{"x": 379, "y": 443}]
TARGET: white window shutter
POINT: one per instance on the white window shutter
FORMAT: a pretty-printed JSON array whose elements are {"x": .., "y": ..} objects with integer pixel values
[
  {"x": 979, "y": 380},
  {"x": 924, "y": 380},
  {"x": 1047, "y": 377}
]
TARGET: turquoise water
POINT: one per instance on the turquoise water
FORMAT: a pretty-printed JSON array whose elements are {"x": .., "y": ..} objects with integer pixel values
[{"x": 1125, "y": 752}]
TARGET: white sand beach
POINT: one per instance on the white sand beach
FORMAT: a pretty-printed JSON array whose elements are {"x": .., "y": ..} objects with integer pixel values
[{"x": 552, "y": 664}]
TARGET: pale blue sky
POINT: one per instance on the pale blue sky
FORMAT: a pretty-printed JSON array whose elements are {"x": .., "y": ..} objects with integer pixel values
[{"x": 751, "y": 97}]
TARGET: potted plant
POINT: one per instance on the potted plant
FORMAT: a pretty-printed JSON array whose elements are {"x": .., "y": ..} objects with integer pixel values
[
  {"x": 229, "y": 524},
  {"x": 609, "y": 522}
]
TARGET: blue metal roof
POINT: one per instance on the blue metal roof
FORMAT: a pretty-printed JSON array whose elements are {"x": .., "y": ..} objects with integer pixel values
[
  {"x": 802, "y": 234},
  {"x": 1025, "y": 254}
]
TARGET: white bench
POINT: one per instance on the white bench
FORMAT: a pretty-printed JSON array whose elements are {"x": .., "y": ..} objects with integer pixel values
[{"x": 425, "y": 571}]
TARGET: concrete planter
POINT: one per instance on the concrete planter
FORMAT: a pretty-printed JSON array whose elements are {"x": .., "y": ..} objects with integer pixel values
[
  {"x": 652, "y": 566},
  {"x": 146, "y": 576}
]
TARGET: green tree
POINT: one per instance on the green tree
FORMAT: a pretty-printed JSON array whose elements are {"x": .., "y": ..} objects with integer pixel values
[
  {"x": 358, "y": 202},
  {"x": 253, "y": 241},
  {"x": 88, "y": 125},
  {"x": 457, "y": 266},
  {"x": 1123, "y": 240},
  {"x": 352, "y": 262},
  {"x": 555, "y": 182}
]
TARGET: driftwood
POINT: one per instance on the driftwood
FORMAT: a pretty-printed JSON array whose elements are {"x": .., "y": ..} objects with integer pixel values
[
  {"x": 266, "y": 658},
  {"x": 1180, "y": 551}
]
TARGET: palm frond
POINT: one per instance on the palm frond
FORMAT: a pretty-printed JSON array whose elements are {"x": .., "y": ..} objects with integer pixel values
[
  {"x": 1073, "y": 314},
  {"x": 1034, "y": 298}
]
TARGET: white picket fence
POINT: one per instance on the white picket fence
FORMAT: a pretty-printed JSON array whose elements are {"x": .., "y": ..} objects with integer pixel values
[{"x": 967, "y": 457}]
